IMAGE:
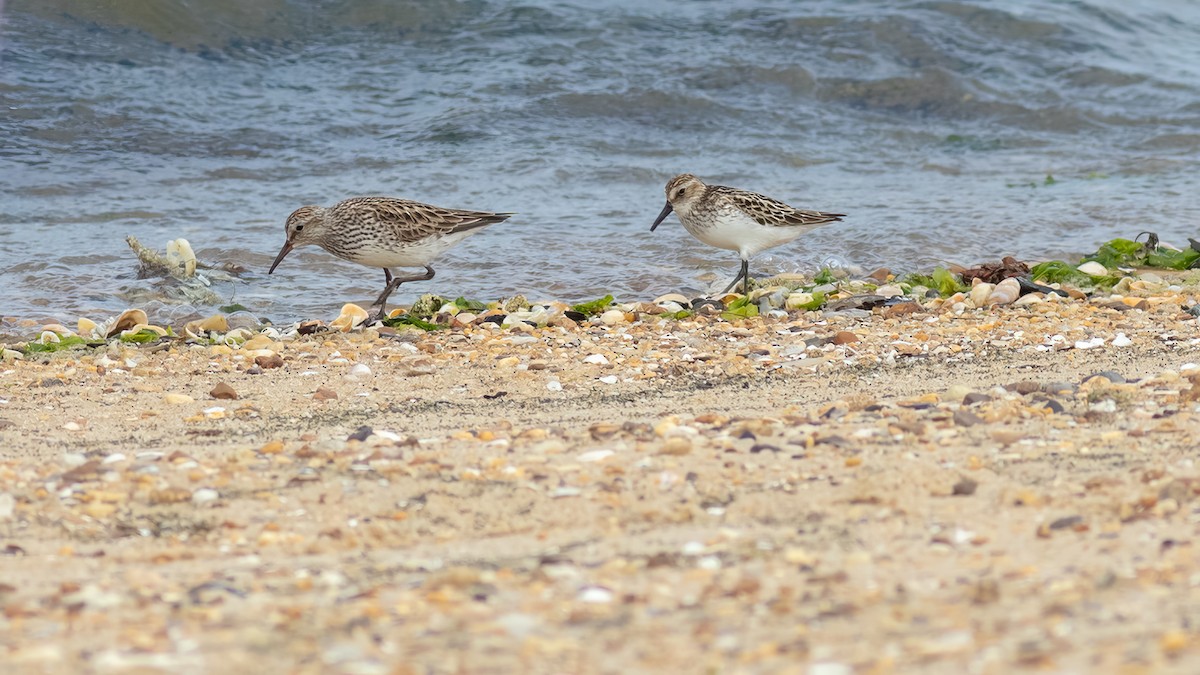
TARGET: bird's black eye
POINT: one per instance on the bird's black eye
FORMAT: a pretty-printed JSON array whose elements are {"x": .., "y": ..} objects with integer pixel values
[
  {"x": 299, "y": 227},
  {"x": 680, "y": 191}
]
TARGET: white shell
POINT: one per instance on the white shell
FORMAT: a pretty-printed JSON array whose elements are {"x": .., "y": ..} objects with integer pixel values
[
  {"x": 980, "y": 293},
  {"x": 1093, "y": 268},
  {"x": 128, "y": 319},
  {"x": 1005, "y": 292},
  {"x": 180, "y": 254},
  {"x": 352, "y": 315}
]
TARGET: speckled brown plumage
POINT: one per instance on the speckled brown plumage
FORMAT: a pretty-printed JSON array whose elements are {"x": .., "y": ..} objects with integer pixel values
[
  {"x": 384, "y": 232},
  {"x": 738, "y": 220}
]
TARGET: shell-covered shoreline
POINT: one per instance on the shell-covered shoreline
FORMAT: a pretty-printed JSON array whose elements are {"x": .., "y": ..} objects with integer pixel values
[{"x": 888, "y": 483}]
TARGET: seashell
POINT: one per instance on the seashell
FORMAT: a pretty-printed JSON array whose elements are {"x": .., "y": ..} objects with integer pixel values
[
  {"x": 980, "y": 293},
  {"x": 1030, "y": 299},
  {"x": 85, "y": 326},
  {"x": 128, "y": 319},
  {"x": 449, "y": 308},
  {"x": 1005, "y": 292},
  {"x": 464, "y": 319},
  {"x": 180, "y": 254},
  {"x": 1093, "y": 268},
  {"x": 889, "y": 291},
  {"x": 236, "y": 337},
  {"x": 673, "y": 297},
  {"x": 352, "y": 315},
  {"x": 398, "y": 311},
  {"x": 258, "y": 342},
  {"x": 727, "y": 298},
  {"x": 798, "y": 300},
  {"x": 216, "y": 323},
  {"x": 612, "y": 317},
  {"x": 57, "y": 328},
  {"x": 49, "y": 337},
  {"x": 144, "y": 326}
]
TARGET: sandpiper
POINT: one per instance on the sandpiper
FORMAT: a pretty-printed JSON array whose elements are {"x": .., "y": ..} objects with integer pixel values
[
  {"x": 384, "y": 232},
  {"x": 741, "y": 221}
]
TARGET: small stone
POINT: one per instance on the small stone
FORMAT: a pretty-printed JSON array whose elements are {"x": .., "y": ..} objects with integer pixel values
[
  {"x": 205, "y": 495},
  {"x": 268, "y": 362},
  {"x": 1065, "y": 522},
  {"x": 844, "y": 337},
  {"x": 612, "y": 317},
  {"x": 609, "y": 379},
  {"x": 223, "y": 391},
  {"x": 508, "y": 362},
  {"x": 360, "y": 371},
  {"x": 676, "y": 445},
  {"x": 1121, "y": 341},
  {"x": 880, "y": 274},
  {"x": 966, "y": 418},
  {"x": 964, "y": 487},
  {"x": 975, "y": 397},
  {"x": 324, "y": 394},
  {"x": 901, "y": 309},
  {"x": 597, "y": 359},
  {"x": 554, "y": 385},
  {"x": 178, "y": 399}
]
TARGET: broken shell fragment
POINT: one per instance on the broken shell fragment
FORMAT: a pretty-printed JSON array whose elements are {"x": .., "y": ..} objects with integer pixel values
[
  {"x": 85, "y": 326},
  {"x": 1005, "y": 292},
  {"x": 352, "y": 315},
  {"x": 180, "y": 254},
  {"x": 128, "y": 319}
]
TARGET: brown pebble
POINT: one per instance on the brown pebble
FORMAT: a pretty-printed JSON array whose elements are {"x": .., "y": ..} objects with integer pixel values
[
  {"x": 309, "y": 327},
  {"x": 266, "y": 362},
  {"x": 324, "y": 394},
  {"x": 966, "y": 418},
  {"x": 881, "y": 275},
  {"x": 964, "y": 487},
  {"x": 1024, "y": 387},
  {"x": 844, "y": 337},
  {"x": 224, "y": 391},
  {"x": 901, "y": 309},
  {"x": 676, "y": 446}
]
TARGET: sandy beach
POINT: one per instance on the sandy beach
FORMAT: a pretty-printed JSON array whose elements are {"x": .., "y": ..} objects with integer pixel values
[{"x": 909, "y": 487}]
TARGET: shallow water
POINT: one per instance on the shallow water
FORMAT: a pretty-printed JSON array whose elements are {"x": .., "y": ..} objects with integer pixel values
[{"x": 932, "y": 124}]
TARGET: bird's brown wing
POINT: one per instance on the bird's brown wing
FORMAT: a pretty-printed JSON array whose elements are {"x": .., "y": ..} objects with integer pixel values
[
  {"x": 772, "y": 212},
  {"x": 413, "y": 221}
]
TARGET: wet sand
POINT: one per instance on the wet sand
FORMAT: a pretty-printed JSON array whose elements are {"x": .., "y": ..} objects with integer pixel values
[{"x": 909, "y": 489}]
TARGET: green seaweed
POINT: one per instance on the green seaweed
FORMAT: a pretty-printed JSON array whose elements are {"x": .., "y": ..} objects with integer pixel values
[
  {"x": 818, "y": 301},
  {"x": 594, "y": 307},
  {"x": 1128, "y": 253},
  {"x": 1118, "y": 253},
  {"x": 942, "y": 280},
  {"x": 741, "y": 308},
  {"x": 235, "y": 307},
  {"x": 681, "y": 314},
  {"x": 142, "y": 336},
  {"x": 825, "y": 276},
  {"x": 412, "y": 320},
  {"x": 471, "y": 305},
  {"x": 1059, "y": 272},
  {"x": 49, "y": 347}
]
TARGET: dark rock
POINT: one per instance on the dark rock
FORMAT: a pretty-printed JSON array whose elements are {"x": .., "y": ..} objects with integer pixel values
[
  {"x": 1111, "y": 376},
  {"x": 360, "y": 434},
  {"x": 975, "y": 397},
  {"x": 966, "y": 418},
  {"x": 1065, "y": 522},
  {"x": 965, "y": 487}
]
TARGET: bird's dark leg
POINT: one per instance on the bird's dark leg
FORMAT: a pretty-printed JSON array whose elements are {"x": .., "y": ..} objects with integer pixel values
[
  {"x": 743, "y": 275},
  {"x": 392, "y": 284}
]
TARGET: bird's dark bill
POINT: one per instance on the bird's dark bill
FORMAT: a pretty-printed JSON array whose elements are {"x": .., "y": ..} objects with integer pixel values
[
  {"x": 287, "y": 248},
  {"x": 665, "y": 212}
]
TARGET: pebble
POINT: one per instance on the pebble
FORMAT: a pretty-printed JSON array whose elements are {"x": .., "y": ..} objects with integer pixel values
[
  {"x": 597, "y": 359},
  {"x": 609, "y": 379},
  {"x": 177, "y": 399},
  {"x": 612, "y": 317},
  {"x": 554, "y": 385},
  {"x": 223, "y": 391},
  {"x": 358, "y": 372},
  {"x": 205, "y": 495},
  {"x": 324, "y": 394}
]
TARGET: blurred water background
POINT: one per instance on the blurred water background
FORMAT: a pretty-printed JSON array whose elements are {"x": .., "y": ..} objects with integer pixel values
[{"x": 934, "y": 125}]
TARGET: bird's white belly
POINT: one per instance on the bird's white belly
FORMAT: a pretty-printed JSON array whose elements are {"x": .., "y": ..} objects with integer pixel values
[
  {"x": 416, "y": 254},
  {"x": 738, "y": 232}
]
